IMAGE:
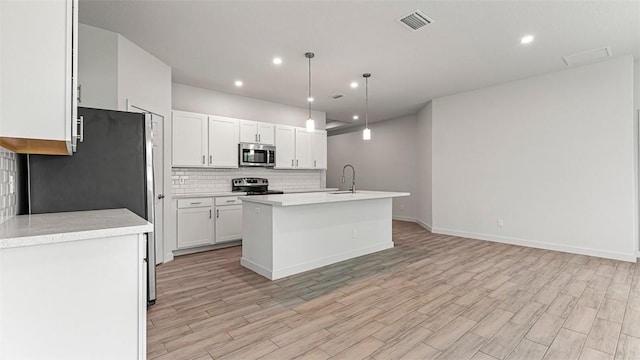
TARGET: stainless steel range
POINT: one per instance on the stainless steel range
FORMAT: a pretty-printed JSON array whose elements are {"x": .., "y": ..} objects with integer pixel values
[{"x": 253, "y": 186}]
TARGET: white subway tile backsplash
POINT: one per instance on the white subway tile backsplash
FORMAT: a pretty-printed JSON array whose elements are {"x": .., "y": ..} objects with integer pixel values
[
  {"x": 193, "y": 180},
  {"x": 8, "y": 168}
]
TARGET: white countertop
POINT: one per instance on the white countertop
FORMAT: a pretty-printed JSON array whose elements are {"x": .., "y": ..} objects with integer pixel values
[
  {"x": 40, "y": 229},
  {"x": 240, "y": 193},
  {"x": 320, "y": 197}
]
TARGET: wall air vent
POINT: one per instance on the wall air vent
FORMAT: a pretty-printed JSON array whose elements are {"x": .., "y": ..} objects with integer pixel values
[
  {"x": 416, "y": 20},
  {"x": 587, "y": 57},
  {"x": 337, "y": 96}
]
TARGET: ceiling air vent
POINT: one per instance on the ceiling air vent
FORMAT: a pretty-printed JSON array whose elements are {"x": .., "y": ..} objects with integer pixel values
[
  {"x": 337, "y": 96},
  {"x": 587, "y": 57},
  {"x": 415, "y": 20}
]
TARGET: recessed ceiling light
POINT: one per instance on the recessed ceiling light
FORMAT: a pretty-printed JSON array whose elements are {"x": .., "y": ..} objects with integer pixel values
[
  {"x": 354, "y": 84},
  {"x": 310, "y": 99},
  {"x": 238, "y": 83},
  {"x": 277, "y": 60},
  {"x": 527, "y": 39},
  {"x": 355, "y": 117}
]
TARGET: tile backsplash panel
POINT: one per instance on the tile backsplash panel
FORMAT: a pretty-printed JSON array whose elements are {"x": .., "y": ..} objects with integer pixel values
[
  {"x": 8, "y": 169},
  {"x": 194, "y": 180}
]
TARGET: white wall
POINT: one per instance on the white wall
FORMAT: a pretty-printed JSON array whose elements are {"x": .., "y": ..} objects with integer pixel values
[
  {"x": 636, "y": 132},
  {"x": 424, "y": 165},
  {"x": 189, "y": 98},
  {"x": 387, "y": 162},
  {"x": 97, "y": 67},
  {"x": 552, "y": 155}
]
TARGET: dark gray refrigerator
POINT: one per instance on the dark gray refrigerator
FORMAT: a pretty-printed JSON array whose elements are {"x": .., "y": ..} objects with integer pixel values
[{"x": 112, "y": 168}]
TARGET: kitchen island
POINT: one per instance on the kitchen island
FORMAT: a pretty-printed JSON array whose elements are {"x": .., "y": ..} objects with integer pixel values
[{"x": 288, "y": 234}]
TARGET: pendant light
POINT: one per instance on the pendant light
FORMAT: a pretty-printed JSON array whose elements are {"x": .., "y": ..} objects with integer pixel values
[
  {"x": 366, "y": 133},
  {"x": 311, "y": 125}
]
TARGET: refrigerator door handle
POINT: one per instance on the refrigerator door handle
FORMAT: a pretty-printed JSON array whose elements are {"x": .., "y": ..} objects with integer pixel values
[{"x": 81, "y": 130}]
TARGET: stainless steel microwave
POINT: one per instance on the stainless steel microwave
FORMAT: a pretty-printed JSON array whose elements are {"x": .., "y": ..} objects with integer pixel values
[{"x": 256, "y": 155}]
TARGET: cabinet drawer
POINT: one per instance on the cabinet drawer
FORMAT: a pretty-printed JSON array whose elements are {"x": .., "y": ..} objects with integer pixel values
[
  {"x": 195, "y": 202},
  {"x": 228, "y": 200}
]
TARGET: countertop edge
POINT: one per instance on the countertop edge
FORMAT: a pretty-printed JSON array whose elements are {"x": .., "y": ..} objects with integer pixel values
[
  {"x": 338, "y": 198},
  {"x": 33, "y": 240},
  {"x": 51, "y": 228}
]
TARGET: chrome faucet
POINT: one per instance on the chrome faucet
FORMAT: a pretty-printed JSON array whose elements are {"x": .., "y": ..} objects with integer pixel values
[{"x": 353, "y": 179}]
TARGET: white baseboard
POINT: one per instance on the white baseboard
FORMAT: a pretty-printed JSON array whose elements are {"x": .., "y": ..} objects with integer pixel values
[
  {"x": 256, "y": 268},
  {"x": 276, "y": 274},
  {"x": 405, "y": 218},
  {"x": 424, "y": 225},
  {"x": 296, "y": 269},
  {"x": 193, "y": 250},
  {"x": 631, "y": 257}
]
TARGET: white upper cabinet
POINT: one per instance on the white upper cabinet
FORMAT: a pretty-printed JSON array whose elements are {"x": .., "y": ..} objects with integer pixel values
[
  {"x": 256, "y": 132},
  {"x": 201, "y": 140},
  {"x": 319, "y": 149},
  {"x": 304, "y": 149},
  {"x": 190, "y": 139},
  {"x": 285, "y": 147},
  {"x": 38, "y": 63},
  {"x": 223, "y": 142},
  {"x": 298, "y": 149}
]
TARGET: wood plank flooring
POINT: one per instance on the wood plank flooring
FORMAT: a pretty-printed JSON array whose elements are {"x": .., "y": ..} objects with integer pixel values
[{"x": 431, "y": 297}]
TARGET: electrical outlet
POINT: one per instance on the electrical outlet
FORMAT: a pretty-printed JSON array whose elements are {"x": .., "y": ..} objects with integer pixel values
[
  {"x": 181, "y": 180},
  {"x": 256, "y": 211},
  {"x": 12, "y": 185},
  {"x": 500, "y": 223},
  {"x": 354, "y": 233}
]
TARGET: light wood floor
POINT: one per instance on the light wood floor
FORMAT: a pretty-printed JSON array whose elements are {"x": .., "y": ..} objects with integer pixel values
[{"x": 430, "y": 297}]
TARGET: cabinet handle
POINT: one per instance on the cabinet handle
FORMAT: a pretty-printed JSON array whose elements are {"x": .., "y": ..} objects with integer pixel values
[
  {"x": 314, "y": 163},
  {"x": 259, "y": 137},
  {"x": 217, "y": 213},
  {"x": 210, "y": 159},
  {"x": 196, "y": 203},
  {"x": 81, "y": 132},
  {"x": 203, "y": 159},
  {"x": 79, "y": 93},
  {"x": 230, "y": 200},
  {"x": 209, "y": 213},
  {"x": 291, "y": 162},
  {"x": 255, "y": 137},
  {"x": 296, "y": 162}
]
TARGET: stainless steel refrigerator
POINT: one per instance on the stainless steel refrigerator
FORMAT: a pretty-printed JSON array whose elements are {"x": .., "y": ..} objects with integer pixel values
[{"x": 112, "y": 168}]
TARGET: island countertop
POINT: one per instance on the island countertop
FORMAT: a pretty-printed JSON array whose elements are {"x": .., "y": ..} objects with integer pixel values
[
  {"x": 320, "y": 197},
  {"x": 40, "y": 229}
]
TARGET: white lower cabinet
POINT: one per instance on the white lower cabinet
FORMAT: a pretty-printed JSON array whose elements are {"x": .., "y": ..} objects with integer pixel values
[
  {"x": 195, "y": 222},
  {"x": 228, "y": 219}
]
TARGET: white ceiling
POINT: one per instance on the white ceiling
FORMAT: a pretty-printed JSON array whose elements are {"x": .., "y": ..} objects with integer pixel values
[{"x": 471, "y": 44}]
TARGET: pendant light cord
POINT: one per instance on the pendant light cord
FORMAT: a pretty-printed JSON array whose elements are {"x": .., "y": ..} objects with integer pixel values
[
  {"x": 366, "y": 102},
  {"x": 309, "y": 99}
]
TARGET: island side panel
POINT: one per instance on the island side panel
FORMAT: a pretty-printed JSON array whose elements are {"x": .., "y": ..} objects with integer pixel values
[
  {"x": 306, "y": 237},
  {"x": 257, "y": 238}
]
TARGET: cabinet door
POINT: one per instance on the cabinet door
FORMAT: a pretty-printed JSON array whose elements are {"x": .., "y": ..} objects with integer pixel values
[
  {"x": 228, "y": 223},
  {"x": 248, "y": 131},
  {"x": 304, "y": 150},
  {"x": 223, "y": 142},
  {"x": 266, "y": 133},
  {"x": 285, "y": 147},
  {"x": 38, "y": 64},
  {"x": 189, "y": 133},
  {"x": 194, "y": 227},
  {"x": 320, "y": 149}
]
